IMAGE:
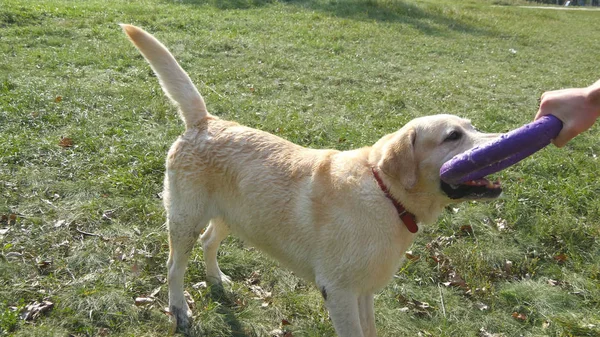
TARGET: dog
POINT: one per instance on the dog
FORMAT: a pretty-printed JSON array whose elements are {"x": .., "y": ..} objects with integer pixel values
[{"x": 341, "y": 220}]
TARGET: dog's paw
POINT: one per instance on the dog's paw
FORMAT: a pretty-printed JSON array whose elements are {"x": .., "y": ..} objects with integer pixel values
[
  {"x": 181, "y": 319},
  {"x": 219, "y": 279}
]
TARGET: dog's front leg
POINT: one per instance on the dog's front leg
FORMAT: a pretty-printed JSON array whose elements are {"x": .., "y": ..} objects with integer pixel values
[
  {"x": 343, "y": 309},
  {"x": 367, "y": 315},
  {"x": 211, "y": 239}
]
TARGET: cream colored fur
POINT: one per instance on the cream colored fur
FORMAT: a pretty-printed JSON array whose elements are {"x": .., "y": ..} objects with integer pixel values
[{"x": 318, "y": 212}]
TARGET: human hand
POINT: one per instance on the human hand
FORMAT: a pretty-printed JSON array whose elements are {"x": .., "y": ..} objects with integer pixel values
[{"x": 577, "y": 108}]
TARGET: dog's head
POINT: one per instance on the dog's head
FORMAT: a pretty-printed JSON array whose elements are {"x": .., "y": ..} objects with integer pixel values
[{"x": 412, "y": 158}]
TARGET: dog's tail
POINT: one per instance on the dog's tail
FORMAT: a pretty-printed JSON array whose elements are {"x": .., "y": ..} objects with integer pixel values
[{"x": 174, "y": 80}]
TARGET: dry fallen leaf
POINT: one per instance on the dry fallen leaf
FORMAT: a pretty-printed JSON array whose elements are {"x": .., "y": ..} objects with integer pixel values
[
  {"x": 36, "y": 309},
  {"x": 254, "y": 278},
  {"x": 240, "y": 302},
  {"x": 65, "y": 142},
  {"x": 456, "y": 280},
  {"x": 276, "y": 333},
  {"x": 135, "y": 269},
  {"x": 481, "y": 306},
  {"x": 58, "y": 99},
  {"x": 190, "y": 301},
  {"x": 467, "y": 229},
  {"x": 412, "y": 257},
  {"x": 140, "y": 301},
  {"x": 519, "y": 316},
  {"x": 155, "y": 292},
  {"x": 501, "y": 224},
  {"x": 199, "y": 285},
  {"x": 561, "y": 258},
  {"x": 553, "y": 283}
]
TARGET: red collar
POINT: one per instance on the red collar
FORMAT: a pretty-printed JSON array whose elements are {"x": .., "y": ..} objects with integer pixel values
[{"x": 408, "y": 218}]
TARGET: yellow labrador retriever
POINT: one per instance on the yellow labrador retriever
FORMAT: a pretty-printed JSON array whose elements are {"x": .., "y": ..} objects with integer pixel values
[{"x": 339, "y": 219}]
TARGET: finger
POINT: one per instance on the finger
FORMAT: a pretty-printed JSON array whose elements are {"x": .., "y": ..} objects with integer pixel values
[{"x": 564, "y": 137}]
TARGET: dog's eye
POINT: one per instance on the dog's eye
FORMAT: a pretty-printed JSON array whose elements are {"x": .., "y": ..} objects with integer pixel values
[{"x": 454, "y": 135}]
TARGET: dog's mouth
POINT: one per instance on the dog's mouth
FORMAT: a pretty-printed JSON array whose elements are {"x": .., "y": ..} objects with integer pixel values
[{"x": 473, "y": 189}]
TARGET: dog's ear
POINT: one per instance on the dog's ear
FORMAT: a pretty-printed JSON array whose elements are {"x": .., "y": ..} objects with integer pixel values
[{"x": 398, "y": 158}]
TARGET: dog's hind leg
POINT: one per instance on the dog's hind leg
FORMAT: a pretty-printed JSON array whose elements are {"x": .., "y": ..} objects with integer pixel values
[
  {"x": 184, "y": 230},
  {"x": 211, "y": 239}
]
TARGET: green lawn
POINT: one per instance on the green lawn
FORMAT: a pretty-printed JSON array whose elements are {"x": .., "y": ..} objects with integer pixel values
[{"x": 84, "y": 129}]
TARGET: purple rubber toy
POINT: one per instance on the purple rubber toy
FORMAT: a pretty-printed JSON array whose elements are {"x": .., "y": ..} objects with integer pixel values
[{"x": 499, "y": 154}]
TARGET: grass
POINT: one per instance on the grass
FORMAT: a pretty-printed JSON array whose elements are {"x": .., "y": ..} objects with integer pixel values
[{"x": 83, "y": 227}]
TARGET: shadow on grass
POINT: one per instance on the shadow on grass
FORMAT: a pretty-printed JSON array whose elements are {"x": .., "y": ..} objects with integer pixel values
[
  {"x": 225, "y": 4},
  {"x": 429, "y": 21},
  {"x": 218, "y": 294}
]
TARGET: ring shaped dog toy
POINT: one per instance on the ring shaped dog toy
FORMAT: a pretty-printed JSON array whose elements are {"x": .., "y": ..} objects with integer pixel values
[{"x": 507, "y": 150}]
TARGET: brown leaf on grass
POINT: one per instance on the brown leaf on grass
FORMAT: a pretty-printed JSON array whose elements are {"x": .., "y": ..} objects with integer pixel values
[
  {"x": 42, "y": 264},
  {"x": 285, "y": 322},
  {"x": 36, "y": 309},
  {"x": 65, "y": 142},
  {"x": 412, "y": 257},
  {"x": 240, "y": 302},
  {"x": 519, "y": 316},
  {"x": 560, "y": 258},
  {"x": 58, "y": 99},
  {"x": 456, "y": 280},
  {"x": 254, "y": 278},
  {"x": 466, "y": 229},
  {"x": 421, "y": 305},
  {"x": 135, "y": 269}
]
